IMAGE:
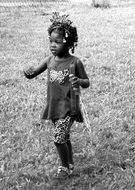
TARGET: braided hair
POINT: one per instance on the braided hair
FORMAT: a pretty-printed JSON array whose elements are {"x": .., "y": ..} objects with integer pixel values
[{"x": 63, "y": 25}]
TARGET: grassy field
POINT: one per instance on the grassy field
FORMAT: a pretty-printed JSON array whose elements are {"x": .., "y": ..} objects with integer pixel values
[{"x": 106, "y": 46}]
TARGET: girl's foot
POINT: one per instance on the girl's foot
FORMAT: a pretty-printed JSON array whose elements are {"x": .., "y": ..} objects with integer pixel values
[
  {"x": 62, "y": 173},
  {"x": 71, "y": 168}
]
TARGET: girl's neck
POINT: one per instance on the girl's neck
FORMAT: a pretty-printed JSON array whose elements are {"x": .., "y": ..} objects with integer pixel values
[{"x": 57, "y": 58}]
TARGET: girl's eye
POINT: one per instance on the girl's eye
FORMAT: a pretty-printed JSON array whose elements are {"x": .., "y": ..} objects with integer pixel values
[
  {"x": 50, "y": 40},
  {"x": 59, "y": 42}
]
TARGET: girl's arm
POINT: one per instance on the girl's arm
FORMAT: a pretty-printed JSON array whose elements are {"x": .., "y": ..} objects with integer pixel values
[
  {"x": 33, "y": 72},
  {"x": 83, "y": 79}
]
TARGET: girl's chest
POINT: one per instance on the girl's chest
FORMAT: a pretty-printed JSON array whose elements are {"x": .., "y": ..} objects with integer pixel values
[{"x": 59, "y": 73}]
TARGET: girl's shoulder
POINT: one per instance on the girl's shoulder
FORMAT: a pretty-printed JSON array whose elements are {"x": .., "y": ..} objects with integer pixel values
[
  {"x": 48, "y": 60},
  {"x": 77, "y": 61}
]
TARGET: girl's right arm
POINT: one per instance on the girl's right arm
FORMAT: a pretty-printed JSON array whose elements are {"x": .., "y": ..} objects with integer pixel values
[{"x": 33, "y": 72}]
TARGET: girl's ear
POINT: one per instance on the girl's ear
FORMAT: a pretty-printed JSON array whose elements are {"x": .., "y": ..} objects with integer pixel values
[{"x": 69, "y": 46}]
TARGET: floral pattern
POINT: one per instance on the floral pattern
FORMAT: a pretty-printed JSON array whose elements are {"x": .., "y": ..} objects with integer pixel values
[{"x": 58, "y": 75}]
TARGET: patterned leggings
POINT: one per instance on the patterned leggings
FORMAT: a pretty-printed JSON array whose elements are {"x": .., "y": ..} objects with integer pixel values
[{"x": 61, "y": 132}]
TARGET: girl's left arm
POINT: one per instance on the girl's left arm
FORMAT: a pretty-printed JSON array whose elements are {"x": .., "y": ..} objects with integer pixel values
[
  {"x": 82, "y": 75},
  {"x": 33, "y": 72}
]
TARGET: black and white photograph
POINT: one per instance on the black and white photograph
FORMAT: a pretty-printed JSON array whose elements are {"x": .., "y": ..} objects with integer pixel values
[{"x": 67, "y": 94}]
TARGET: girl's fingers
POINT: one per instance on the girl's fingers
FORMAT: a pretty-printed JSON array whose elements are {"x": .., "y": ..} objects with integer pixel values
[
  {"x": 75, "y": 83},
  {"x": 30, "y": 71},
  {"x": 25, "y": 72},
  {"x": 73, "y": 79}
]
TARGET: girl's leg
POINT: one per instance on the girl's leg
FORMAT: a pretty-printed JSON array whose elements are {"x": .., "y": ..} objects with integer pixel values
[
  {"x": 61, "y": 138},
  {"x": 69, "y": 145},
  {"x": 63, "y": 154}
]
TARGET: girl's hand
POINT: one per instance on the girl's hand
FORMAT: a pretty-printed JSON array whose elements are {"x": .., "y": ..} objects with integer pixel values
[
  {"x": 75, "y": 81},
  {"x": 29, "y": 73}
]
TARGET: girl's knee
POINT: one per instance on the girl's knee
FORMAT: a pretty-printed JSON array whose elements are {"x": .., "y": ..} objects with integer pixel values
[{"x": 59, "y": 141}]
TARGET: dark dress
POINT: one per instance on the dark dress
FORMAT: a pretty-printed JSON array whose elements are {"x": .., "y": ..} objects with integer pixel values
[{"x": 59, "y": 99}]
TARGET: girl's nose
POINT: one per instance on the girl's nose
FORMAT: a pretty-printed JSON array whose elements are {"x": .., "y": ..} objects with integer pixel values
[{"x": 53, "y": 44}]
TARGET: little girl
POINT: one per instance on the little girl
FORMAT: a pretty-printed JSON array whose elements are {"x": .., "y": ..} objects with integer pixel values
[{"x": 66, "y": 74}]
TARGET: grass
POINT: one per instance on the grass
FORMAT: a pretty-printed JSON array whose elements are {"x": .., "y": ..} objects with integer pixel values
[{"x": 106, "y": 47}]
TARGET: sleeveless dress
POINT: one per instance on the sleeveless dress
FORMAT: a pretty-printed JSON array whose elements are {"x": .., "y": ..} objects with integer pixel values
[{"x": 59, "y": 100}]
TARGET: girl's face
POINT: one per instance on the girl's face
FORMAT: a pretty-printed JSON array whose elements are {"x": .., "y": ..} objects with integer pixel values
[{"x": 57, "y": 47}]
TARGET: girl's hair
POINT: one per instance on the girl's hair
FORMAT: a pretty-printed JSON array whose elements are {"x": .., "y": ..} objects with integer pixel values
[{"x": 64, "y": 26}]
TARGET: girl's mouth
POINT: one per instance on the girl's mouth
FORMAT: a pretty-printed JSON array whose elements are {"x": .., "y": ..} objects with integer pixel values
[{"x": 53, "y": 51}]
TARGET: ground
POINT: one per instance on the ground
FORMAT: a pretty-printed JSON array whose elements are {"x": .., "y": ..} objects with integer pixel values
[{"x": 105, "y": 157}]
